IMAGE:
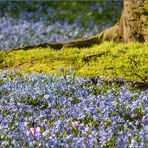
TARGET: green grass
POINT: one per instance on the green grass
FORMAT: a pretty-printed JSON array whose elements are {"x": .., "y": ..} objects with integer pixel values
[{"x": 117, "y": 60}]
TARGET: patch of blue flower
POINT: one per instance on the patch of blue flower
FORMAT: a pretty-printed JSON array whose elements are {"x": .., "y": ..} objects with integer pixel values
[{"x": 44, "y": 110}]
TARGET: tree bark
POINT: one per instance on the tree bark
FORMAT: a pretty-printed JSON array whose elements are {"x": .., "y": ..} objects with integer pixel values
[{"x": 134, "y": 21}]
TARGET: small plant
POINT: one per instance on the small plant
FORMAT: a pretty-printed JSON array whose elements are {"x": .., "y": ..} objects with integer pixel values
[{"x": 69, "y": 111}]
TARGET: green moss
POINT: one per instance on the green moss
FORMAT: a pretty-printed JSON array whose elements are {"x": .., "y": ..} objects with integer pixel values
[{"x": 116, "y": 60}]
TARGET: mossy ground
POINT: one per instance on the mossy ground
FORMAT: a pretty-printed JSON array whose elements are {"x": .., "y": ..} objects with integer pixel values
[{"x": 117, "y": 60}]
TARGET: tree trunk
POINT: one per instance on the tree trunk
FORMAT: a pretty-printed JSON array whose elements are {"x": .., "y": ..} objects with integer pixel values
[{"x": 134, "y": 21}]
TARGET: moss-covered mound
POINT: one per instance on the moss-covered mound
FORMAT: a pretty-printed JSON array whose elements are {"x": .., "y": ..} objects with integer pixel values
[{"x": 117, "y": 60}]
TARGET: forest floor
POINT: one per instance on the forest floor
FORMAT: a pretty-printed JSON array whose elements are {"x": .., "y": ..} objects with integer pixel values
[{"x": 116, "y": 60}]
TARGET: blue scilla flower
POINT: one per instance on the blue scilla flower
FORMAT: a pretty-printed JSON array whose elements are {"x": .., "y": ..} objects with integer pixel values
[{"x": 64, "y": 101}]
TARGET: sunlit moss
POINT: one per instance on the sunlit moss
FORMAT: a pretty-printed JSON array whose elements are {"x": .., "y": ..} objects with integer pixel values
[{"x": 116, "y": 60}]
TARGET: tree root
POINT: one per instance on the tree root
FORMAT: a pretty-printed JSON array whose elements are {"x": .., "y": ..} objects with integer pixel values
[
  {"x": 57, "y": 46},
  {"x": 110, "y": 34},
  {"x": 120, "y": 82},
  {"x": 94, "y": 56}
]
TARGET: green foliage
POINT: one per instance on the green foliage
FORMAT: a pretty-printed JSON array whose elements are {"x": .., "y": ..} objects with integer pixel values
[
  {"x": 2, "y": 56},
  {"x": 141, "y": 109},
  {"x": 116, "y": 60}
]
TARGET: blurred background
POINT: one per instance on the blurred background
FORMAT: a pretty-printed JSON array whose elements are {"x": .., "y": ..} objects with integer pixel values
[{"x": 33, "y": 22}]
